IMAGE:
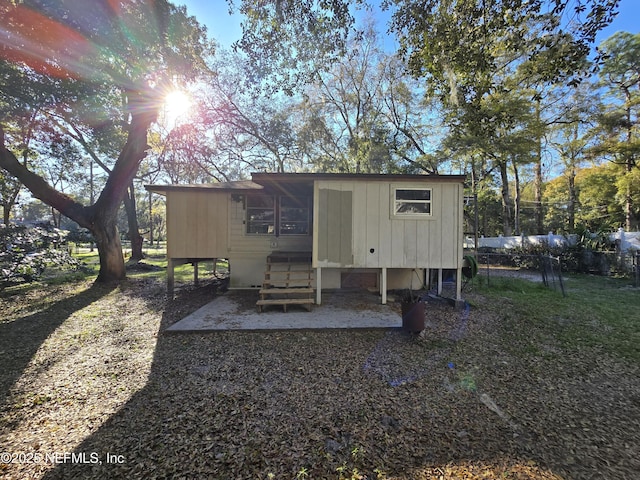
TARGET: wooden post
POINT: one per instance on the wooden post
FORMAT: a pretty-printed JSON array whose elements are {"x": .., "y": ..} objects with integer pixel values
[
  {"x": 439, "y": 281},
  {"x": 383, "y": 285},
  {"x": 170, "y": 277},
  {"x": 318, "y": 286},
  {"x": 195, "y": 273},
  {"x": 459, "y": 283}
]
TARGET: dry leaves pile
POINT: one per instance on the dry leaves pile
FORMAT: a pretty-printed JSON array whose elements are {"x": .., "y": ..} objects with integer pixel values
[{"x": 86, "y": 371}]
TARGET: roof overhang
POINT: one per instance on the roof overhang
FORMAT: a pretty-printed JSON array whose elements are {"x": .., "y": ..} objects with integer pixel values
[
  {"x": 298, "y": 182},
  {"x": 237, "y": 186},
  {"x": 266, "y": 178}
]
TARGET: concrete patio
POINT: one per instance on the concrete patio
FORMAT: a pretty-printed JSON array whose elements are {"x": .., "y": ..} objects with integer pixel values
[{"x": 236, "y": 310}]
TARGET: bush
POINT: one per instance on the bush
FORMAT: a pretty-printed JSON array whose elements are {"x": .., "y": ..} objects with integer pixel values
[{"x": 27, "y": 251}]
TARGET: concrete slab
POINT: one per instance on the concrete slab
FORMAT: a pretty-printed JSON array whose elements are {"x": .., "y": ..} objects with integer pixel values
[{"x": 236, "y": 310}]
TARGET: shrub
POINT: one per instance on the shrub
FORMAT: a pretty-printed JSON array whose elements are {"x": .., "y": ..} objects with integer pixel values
[{"x": 27, "y": 251}]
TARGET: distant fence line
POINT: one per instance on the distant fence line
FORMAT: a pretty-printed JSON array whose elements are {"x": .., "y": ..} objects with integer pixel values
[
  {"x": 587, "y": 261},
  {"x": 625, "y": 241}
]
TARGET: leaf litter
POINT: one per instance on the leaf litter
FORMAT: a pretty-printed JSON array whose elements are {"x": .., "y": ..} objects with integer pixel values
[{"x": 91, "y": 371}]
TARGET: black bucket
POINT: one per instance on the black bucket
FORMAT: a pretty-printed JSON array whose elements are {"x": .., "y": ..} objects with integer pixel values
[{"x": 413, "y": 316}]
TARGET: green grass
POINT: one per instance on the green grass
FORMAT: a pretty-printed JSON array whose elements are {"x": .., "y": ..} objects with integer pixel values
[
  {"x": 155, "y": 257},
  {"x": 597, "y": 312}
]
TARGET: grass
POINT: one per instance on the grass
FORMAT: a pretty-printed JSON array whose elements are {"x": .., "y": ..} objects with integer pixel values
[
  {"x": 597, "y": 312},
  {"x": 155, "y": 257}
]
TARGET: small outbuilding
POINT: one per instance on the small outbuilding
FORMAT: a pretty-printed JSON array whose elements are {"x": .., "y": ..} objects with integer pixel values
[{"x": 291, "y": 235}]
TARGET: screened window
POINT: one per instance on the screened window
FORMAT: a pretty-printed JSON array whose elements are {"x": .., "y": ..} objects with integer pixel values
[
  {"x": 269, "y": 215},
  {"x": 261, "y": 214},
  {"x": 412, "y": 202},
  {"x": 294, "y": 216}
]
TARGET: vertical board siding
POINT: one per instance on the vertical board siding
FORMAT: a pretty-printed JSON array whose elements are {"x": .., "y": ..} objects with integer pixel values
[
  {"x": 434, "y": 237},
  {"x": 204, "y": 223},
  {"x": 372, "y": 219},
  {"x": 335, "y": 227},
  {"x": 197, "y": 224},
  {"x": 351, "y": 218},
  {"x": 322, "y": 217},
  {"x": 411, "y": 243},
  {"x": 360, "y": 240},
  {"x": 384, "y": 239},
  {"x": 346, "y": 228},
  {"x": 396, "y": 242}
]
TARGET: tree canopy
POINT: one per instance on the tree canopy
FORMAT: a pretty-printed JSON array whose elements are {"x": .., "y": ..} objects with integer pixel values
[
  {"x": 475, "y": 87},
  {"x": 95, "y": 67}
]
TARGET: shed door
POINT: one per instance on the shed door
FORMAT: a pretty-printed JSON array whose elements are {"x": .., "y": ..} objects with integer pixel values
[{"x": 335, "y": 220}]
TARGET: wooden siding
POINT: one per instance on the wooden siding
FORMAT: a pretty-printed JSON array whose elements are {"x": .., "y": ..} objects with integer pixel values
[
  {"x": 334, "y": 227},
  {"x": 379, "y": 239},
  {"x": 197, "y": 224}
]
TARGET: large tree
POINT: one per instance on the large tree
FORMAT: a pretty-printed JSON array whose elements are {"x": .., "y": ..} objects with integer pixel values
[
  {"x": 472, "y": 52},
  {"x": 619, "y": 123},
  {"x": 71, "y": 55}
]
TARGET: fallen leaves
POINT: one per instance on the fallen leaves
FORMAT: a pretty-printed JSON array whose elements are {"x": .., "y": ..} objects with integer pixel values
[{"x": 453, "y": 402}]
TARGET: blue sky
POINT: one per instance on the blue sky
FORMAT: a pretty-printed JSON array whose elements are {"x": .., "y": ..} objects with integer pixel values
[{"x": 226, "y": 29}]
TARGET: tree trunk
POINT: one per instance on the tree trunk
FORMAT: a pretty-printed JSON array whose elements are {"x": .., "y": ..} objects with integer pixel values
[
  {"x": 100, "y": 218},
  {"x": 134, "y": 228},
  {"x": 516, "y": 214},
  {"x": 150, "y": 218},
  {"x": 105, "y": 231},
  {"x": 629, "y": 164},
  {"x": 537, "y": 182},
  {"x": 507, "y": 229},
  {"x": 10, "y": 201},
  {"x": 573, "y": 200}
]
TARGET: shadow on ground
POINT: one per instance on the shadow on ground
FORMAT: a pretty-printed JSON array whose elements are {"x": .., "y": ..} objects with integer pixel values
[
  {"x": 320, "y": 404},
  {"x": 21, "y": 338}
]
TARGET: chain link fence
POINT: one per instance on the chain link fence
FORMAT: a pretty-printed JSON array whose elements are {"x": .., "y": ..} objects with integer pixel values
[{"x": 548, "y": 268}]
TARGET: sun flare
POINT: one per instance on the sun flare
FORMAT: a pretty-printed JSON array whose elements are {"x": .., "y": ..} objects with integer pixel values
[{"x": 177, "y": 105}]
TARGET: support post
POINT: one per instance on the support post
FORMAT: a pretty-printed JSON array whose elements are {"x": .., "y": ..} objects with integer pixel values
[
  {"x": 439, "y": 281},
  {"x": 195, "y": 274},
  {"x": 459, "y": 283},
  {"x": 383, "y": 285},
  {"x": 318, "y": 286},
  {"x": 170, "y": 277}
]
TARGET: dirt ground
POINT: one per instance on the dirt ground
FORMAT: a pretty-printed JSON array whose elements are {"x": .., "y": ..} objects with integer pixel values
[{"x": 92, "y": 387}]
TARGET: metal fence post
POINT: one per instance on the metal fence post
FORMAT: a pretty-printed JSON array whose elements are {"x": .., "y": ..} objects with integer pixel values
[{"x": 560, "y": 276}]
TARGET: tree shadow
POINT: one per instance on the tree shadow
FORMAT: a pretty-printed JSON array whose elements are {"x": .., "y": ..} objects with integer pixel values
[
  {"x": 302, "y": 404},
  {"x": 20, "y": 338}
]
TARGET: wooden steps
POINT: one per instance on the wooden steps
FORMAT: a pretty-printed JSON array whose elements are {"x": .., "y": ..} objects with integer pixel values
[
  {"x": 282, "y": 291},
  {"x": 288, "y": 280}
]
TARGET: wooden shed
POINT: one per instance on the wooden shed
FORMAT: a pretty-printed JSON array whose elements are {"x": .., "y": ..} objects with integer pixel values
[{"x": 338, "y": 230}]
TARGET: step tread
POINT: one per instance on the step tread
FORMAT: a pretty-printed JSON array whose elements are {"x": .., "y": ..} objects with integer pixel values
[
  {"x": 285, "y": 301},
  {"x": 287, "y": 290}
]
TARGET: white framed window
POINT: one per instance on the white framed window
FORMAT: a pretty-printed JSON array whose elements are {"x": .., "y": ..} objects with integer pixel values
[{"x": 412, "y": 202}]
